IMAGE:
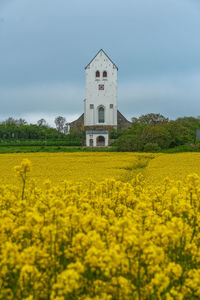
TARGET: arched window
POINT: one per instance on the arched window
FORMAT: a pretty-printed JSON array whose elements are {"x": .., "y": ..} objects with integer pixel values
[
  {"x": 101, "y": 114},
  {"x": 104, "y": 74},
  {"x": 97, "y": 74}
]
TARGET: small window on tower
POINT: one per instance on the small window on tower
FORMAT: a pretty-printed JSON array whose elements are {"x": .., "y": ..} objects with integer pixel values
[
  {"x": 97, "y": 74},
  {"x": 104, "y": 74},
  {"x": 91, "y": 106},
  {"x": 111, "y": 105},
  {"x": 101, "y": 113},
  {"x": 101, "y": 87}
]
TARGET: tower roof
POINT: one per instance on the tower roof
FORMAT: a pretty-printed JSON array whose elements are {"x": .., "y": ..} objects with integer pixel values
[{"x": 105, "y": 55}]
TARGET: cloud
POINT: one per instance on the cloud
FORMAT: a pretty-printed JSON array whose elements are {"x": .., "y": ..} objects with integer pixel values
[
  {"x": 34, "y": 117},
  {"x": 143, "y": 37},
  {"x": 173, "y": 96},
  {"x": 45, "y": 46},
  {"x": 49, "y": 117},
  {"x": 54, "y": 99},
  {"x": 5, "y": 4}
]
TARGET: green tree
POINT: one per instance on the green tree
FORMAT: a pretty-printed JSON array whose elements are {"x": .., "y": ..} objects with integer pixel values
[
  {"x": 152, "y": 119},
  {"x": 60, "y": 123}
]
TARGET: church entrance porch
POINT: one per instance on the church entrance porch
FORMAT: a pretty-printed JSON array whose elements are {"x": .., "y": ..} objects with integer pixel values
[{"x": 97, "y": 138}]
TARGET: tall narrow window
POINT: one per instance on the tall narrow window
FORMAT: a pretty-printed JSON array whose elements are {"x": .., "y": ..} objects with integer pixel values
[
  {"x": 101, "y": 114},
  {"x": 97, "y": 74},
  {"x": 104, "y": 74}
]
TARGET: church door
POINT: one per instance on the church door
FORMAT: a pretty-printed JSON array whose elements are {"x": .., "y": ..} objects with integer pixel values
[
  {"x": 91, "y": 142},
  {"x": 101, "y": 141}
]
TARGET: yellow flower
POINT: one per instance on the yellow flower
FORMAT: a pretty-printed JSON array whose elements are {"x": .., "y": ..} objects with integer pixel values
[{"x": 104, "y": 239}]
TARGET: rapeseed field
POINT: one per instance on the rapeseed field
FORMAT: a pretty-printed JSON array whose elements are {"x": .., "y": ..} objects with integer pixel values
[
  {"x": 175, "y": 166},
  {"x": 80, "y": 166},
  {"x": 71, "y": 166},
  {"x": 70, "y": 230}
]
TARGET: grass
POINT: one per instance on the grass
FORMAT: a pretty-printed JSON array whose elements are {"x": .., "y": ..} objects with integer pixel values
[
  {"x": 27, "y": 146},
  {"x": 30, "y": 142},
  {"x": 182, "y": 148},
  {"x": 52, "y": 149},
  {"x": 138, "y": 166}
]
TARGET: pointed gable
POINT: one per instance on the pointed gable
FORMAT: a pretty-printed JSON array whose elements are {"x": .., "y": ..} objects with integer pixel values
[{"x": 101, "y": 51}]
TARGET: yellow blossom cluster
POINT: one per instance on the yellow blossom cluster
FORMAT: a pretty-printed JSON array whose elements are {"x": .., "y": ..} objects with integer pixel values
[{"x": 105, "y": 240}]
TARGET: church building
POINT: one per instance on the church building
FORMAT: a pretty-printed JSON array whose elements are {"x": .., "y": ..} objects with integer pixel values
[{"x": 100, "y": 105}]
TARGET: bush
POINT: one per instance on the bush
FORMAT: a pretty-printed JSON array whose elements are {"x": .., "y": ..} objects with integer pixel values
[
  {"x": 151, "y": 147},
  {"x": 154, "y": 132},
  {"x": 197, "y": 143}
]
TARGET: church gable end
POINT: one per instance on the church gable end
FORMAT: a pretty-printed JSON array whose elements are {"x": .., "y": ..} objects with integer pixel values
[{"x": 101, "y": 52}]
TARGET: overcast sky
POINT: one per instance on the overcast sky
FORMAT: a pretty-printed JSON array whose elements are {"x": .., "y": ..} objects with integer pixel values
[{"x": 45, "y": 45}]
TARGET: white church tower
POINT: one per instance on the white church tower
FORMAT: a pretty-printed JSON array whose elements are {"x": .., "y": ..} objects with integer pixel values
[{"x": 100, "y": 105}]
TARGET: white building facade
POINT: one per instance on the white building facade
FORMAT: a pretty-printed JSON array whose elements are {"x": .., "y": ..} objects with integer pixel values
[{"x": 100, "y": 105}]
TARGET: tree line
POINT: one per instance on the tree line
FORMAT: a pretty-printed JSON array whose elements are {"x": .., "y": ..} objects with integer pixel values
[
  {"x": 149, "y": 133},
  {"x": 154, "y": 132},
  {"x": 18, "y": 129}
]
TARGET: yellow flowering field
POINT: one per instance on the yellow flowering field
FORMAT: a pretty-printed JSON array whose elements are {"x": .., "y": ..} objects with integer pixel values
[
  {"x": 80, "y": 166},
  {"x": 175, "y": 166},
  {"x": 65, "y": 236},
  {"x": 72, "y": 166}
]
